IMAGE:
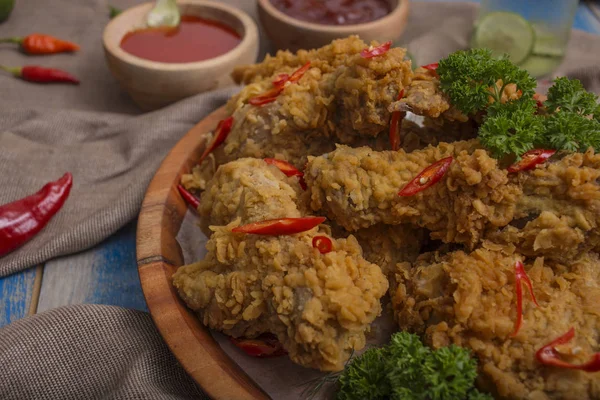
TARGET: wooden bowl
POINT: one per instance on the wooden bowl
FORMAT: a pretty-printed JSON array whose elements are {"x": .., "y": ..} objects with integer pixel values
[
  {"x": 159, "y": 255},
  {"x": 153, "y": 84},
  {"x": 292, "y": 34}
]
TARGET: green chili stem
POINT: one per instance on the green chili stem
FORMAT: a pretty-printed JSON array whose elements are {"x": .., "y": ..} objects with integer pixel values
[
  {"x": 16, "y": 71},
  {"x": 14, "y": 39}
]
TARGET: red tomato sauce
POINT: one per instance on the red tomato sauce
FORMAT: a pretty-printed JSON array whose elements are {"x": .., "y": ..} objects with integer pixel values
[
  {"x": 195, "y": 39},
  {"x": 334, "y": 12}
]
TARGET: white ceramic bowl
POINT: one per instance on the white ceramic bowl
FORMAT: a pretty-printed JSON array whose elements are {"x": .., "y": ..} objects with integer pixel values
[
  {"x": 154, "y": 84},
  {"x": 292, "y": 34}
]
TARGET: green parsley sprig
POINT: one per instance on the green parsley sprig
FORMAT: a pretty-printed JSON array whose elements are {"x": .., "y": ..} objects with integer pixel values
[
  {"x": 405, "y": 369},
  {"x": 571, "y": 120}
]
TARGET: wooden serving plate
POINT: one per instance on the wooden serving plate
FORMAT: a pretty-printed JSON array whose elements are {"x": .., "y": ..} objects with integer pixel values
[{"x": 159, "y": 255}]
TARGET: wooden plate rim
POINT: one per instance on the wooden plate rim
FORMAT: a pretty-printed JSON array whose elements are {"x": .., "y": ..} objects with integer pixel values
[{"x": 159, "y": 255}]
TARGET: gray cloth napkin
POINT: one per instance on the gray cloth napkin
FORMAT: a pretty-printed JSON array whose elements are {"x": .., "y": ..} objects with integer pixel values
[
  {"x": 90, "y": 352},
  {"x": 105, "y": 352}
]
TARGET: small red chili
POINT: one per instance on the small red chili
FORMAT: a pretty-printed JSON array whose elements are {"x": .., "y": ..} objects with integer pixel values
[
  {"x": 431, "y": 67},
  {"x": 188, "y": 197},
  {"x": 265, "y": 345},
  {"x": 21, "y": 220},
  {"x": 219, "y": 136},
  {"x": 297, "y": 74},
  {"x": 280, "y": 226},
  {"x": 280, "y": 80},
  {"x": 323, "y": 244},
  {"x": 278, "y": 85},
  {"x": 395, "y": 125},
  {"x": 38, "y": 43},
  {"x": 428, "y": 177},
  {"x": 284, "y": 166},
  {"x": 371, "y": 51},
  {"x": 520, "y": 277},
  {"x": 530, "y": 159},
  {"x": 548, "y": 355},
  {"x": 33, "y": 73}
]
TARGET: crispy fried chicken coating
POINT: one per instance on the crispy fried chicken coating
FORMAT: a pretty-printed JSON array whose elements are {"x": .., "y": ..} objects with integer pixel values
[
  {"x": 318, "y": 305},
  {"x": 359, "y": 188},
  {"x": 469, "y": 300}
]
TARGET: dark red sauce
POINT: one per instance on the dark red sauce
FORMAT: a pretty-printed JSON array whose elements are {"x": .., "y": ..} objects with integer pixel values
[
  {"x": 334, "y": 12},
  {"x": 195, "y": 39}
]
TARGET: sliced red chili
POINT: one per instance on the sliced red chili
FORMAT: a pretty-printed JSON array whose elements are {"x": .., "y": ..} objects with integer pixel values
[
  {"x": 280, "y": 80},
  {"x": 267, "y": 97},
  {"x": 278, "y": 85},
  {"x": 323, "y": 244},
  {"x": 21, "y": 220},
  {"x": 280, "y": 226},
  {"x": 530, "y": 159},
  {"x": 284, "y": 166},
  {"x": 548, "y": 355},
  {"x": 371, "y": 51},
  {"x": 265, "y": 345},
  {"x": 395, "y": 124},
  {"x": 219, "y": 136},
  {"x": 188, "y": 197},
  {"x": 520, "y": 277},
  {"x": 297, "y": 74},
  {"x": 428, "y": 177},
  {"x": 431, "y": 67}
]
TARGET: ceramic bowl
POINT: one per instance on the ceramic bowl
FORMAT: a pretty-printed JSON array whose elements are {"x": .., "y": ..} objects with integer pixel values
[
  {"x": 154, "y": 84},
  {"x": 292, "y": 34}
]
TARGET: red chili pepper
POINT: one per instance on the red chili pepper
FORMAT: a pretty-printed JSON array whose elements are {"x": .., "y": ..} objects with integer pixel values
[
  {"x": 219, "y": 136},
  {"x": 265, "y": 345},
  {"x": 21, "y": 220},
  {"x": 280, "y": 226},
  {"x": 520, "y": 277},
  {"x": 397, "y": 117},
  {"x": 188, "y": 197},
  {"x": 548, "y": 355},
  {"x": 278, "y": 85},
  {"x": 284, "y": 166},
  {"x": 431, "y": 67},
  {"x": 281, "y": 79},
  {"x": 33, "y": 73},
  {"x": 323, "y": 244},
  {"x": 530, "y": 159},
  {"x": 297, "y": 74},
  {"x": 38, "y": 43},
  {"x": 371, "y": 51},
  {"x": 267, "y": 97},
  {"x": 428, "y": 177}
]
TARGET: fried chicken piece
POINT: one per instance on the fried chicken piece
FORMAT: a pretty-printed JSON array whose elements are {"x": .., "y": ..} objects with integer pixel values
[
  {"x": 469, "y": 300},
  {"x": 318, "y": 305},
  {"x": 561, "y": 207},
  {"x": 251, "y": 190},
  {"x": 359, "y": 188}
]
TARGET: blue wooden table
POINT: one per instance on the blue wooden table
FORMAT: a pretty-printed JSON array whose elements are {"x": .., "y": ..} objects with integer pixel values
[{"x": 107, "y": 274}]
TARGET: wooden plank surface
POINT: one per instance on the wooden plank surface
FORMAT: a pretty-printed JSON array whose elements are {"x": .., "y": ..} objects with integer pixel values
[
  {"x": 106, "y": 274},
  {"x": 18, "y": 295}
]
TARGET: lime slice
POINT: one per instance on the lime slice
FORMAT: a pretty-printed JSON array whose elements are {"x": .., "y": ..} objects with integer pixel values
[{"x": 505, "y": 33}]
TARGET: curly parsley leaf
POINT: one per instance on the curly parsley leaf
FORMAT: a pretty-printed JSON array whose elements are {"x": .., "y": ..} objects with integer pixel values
[
  {"x": 365, "y": 377},
  {"x": 511, "y": 128},
  {"x": 571, "y": 131},
  {"x": 570, "y": 96},
  {"x": 469, "y": 79},
  {"x": 405, "y": 369}
]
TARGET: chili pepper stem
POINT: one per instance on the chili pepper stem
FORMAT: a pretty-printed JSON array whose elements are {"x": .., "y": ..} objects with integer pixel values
[
  {"x": 15, "y": 39},
  {"x": 16, "y": 71}
]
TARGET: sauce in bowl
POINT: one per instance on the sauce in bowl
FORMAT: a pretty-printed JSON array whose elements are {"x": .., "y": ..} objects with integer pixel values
[
  {"x": 195, "y": 39},
  {"x": 334, "y": 12}
]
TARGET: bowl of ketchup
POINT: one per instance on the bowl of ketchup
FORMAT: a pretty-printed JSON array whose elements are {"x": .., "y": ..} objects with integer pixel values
[
  {"x": 308, "y": 24},
  {"x": 159, "y": 66}
]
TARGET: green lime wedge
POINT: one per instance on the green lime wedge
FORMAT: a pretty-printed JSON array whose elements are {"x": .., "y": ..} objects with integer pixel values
[
  {"x": 505, "y": 33},
  {"x": 6, "y": 7}
]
